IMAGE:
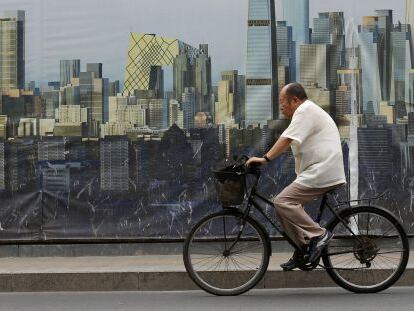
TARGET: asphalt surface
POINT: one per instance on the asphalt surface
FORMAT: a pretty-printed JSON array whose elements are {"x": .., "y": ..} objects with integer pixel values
[{"x": 397, "y": 298}]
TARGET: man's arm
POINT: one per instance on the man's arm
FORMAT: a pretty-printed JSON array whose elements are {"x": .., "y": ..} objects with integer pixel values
[{"x": 279, "y": 147}]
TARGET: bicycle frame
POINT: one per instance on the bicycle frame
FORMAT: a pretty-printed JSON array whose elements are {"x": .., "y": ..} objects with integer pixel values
[{"x": 252, "y": 201}]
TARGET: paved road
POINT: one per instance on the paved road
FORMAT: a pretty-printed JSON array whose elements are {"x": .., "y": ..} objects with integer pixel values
[{"x": 397, "y": 298}]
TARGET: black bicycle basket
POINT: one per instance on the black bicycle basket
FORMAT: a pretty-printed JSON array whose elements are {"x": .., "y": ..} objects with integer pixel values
[{"x": 231, "y": 184}]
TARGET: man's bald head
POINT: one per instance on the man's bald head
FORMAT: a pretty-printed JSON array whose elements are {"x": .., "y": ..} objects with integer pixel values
[
  {"x": 295, "y": 90},
  {"x": 290, "y": 97}
]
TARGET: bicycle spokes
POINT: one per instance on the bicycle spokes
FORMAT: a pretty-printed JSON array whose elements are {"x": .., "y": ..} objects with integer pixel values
[
  {"x": 226, "y": 252},
  {"x": 369, "y": 256}
]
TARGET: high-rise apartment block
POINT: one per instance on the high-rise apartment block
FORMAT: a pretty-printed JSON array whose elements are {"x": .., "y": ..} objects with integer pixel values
[
  {"x": 114, "y": 163},
  {"x": 12, "y": 50},
  {"x": 316, "y": 66}
]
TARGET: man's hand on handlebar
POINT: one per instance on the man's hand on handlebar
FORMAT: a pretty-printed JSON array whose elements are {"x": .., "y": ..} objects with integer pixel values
[{"x": 255, "y": 161}]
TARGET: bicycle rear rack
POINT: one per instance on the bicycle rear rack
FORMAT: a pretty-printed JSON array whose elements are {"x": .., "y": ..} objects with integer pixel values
[
  {"x": 347, "y": 202},
  {"x": 334, "y": 208}
]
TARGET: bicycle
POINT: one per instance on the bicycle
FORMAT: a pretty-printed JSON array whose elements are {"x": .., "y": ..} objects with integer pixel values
[{"x": 228, "y": 252}]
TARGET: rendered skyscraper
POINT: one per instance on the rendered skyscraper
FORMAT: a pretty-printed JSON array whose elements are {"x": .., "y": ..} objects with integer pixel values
[
  {"x": 296, "y": 14},
  {"x": 69, "y": 69},
  {"x": 146, "y": 50},
  {"x": 261, "y": 71},
  {"x": 12, "y": 50}
]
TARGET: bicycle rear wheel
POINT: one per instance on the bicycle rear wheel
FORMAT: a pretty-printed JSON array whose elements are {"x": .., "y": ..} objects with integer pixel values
[
  {"x": 226, "y": 254},
  {"x": 373, "y": 256}
]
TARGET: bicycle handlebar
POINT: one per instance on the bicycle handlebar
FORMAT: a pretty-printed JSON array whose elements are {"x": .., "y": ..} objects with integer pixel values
[{"x": 252, "y": 169}]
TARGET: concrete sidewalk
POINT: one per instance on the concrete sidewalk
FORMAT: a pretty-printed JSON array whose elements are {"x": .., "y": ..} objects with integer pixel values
[{"x": 144, "y": 272}]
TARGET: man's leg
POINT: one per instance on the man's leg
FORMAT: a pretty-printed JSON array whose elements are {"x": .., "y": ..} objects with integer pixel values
[{"x": 298, "y": 225}]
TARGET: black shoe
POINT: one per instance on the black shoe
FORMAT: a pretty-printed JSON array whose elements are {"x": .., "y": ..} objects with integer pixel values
[
  {"x": 292, "y": 263},
  {"x": 317, "y": 245}
]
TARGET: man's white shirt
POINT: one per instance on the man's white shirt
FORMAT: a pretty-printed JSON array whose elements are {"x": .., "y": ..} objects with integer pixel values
[{"x": 316, "y": 146}]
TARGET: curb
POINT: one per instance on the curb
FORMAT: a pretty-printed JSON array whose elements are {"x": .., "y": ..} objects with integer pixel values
[{"x": 157, "y": 281}]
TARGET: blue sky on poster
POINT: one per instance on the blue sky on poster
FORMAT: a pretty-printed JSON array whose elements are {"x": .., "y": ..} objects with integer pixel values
[{"x": 98, "y": 30}]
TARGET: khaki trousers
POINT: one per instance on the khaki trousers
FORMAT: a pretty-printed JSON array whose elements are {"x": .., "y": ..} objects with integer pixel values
[{"x": 298, "y": 225}]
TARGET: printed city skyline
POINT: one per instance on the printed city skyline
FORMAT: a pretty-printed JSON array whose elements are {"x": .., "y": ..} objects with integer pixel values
[
  {"x": 90, "y": 150},
  {"x": 56, "y": 38}
]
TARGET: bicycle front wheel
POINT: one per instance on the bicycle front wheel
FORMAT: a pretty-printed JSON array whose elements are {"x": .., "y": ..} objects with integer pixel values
[
  {"x": 369, "y": 253},
  {"x": 226, "y": 253}
]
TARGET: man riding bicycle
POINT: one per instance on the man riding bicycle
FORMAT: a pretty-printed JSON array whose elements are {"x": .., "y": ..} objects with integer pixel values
[{"x": 316, "y": 146}]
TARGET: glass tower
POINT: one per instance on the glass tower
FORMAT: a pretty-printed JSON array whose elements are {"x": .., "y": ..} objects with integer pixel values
[
  {"x": 411, "y": 90},
  {"x": 329, "y": 28},
  {"x": 296, "y": 14},
  {"x": 400, "y": 64},
  {"x": 385, "y": 25},
  {"x": 286, "y": 50},
  {"x": 370, "y": 58},
  {"x": 261, "y": 70},
  {"x": 202, "y": 79},
  {"x": 69, "y": 69},
  {"x": 371, "y": 85},
  {"x": 409, "y": 9}
]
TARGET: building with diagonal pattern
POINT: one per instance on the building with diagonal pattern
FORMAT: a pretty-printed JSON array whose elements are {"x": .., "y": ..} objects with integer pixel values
[{"x": 146, "y": 50}]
